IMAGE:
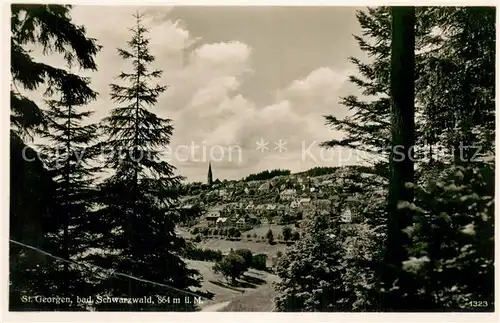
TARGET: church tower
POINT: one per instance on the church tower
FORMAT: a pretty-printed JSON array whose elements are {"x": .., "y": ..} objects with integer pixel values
[{"x": 209, "y": 176}]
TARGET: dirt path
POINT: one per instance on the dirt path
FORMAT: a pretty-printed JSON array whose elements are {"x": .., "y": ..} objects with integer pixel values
[{"x": 215, "y": 307}]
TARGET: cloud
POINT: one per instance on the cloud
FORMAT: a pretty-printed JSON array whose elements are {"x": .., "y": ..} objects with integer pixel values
[
  {"x": 220, "y": 54},
  {"x": 206, "y": 98}
]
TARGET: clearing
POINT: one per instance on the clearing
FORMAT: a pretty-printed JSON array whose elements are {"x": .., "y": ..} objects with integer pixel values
[{"x": 253, "y": 292}]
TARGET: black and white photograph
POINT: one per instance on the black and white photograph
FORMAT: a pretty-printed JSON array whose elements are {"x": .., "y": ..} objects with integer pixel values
[{"x": 255, "y": 158}]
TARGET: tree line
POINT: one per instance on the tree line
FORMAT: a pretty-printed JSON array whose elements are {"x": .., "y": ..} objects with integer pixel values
[
  {"x": 60, "y": 201},
  {"x": 424, "y": 238}
]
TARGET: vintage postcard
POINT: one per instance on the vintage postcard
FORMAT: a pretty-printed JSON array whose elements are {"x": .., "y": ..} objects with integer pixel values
[{"x": 169, "y": 158}]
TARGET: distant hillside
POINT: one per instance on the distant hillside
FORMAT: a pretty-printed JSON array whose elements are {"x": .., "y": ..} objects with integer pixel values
[
  {"x": 319, "y": 171},
  {"x": 266, "y": 175}
]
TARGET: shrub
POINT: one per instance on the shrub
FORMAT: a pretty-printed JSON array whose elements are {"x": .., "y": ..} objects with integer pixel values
[
  {"x": 195, "y": 253},
  {"x": 295, "y": 235},
  {"x": 246, "y": 255},
  {"x": 205, "y": 231},
  {"x": 197, "y": 238},
  {"x": 259, "y": 261},
  {"x": 195, "y": 230},
  {"x": 231, "y": 232}
]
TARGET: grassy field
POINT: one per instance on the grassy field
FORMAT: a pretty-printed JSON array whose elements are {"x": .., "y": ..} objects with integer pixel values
[
  {"x": 262, "y": 230},
  {"x": 255, "y": 247},
  {"x": 254, "y": 282}
]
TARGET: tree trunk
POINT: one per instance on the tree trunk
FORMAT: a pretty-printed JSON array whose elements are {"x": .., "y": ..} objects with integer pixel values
[{"x": 401, "y": 157}]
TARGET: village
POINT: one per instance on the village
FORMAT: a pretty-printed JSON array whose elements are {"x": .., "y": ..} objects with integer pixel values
[{"x": 246, "y": 205}]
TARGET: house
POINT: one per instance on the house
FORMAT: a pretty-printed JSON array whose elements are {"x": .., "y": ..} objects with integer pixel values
[
  {"x": 281, "y": 209},
  {"x": 346, "y": 216},
  {"x": 260, "y": 207},
  {"x": 326, "y": 182},
  {"x": 288, "y": 195},
  {"x": 249, "y": 207},
  {"x": 241, "y": 223},
  {"x": 246, "y": 190},
  {"x": 264, "y": 220},
  {"x": 222, "y": 192},
  {"x": 212, "y": 217},
  {"x": 304, "y": 201}
]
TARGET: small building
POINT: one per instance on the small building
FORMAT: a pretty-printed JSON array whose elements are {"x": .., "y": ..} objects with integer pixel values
[
  {"x": 281, "y": 209},
  {"x": 241, "y": 223},
  {"x": 288, "y": 195},
  {"x": 271, "y": 207},
  {"x": 305, "y": 201},
  {"x": 212, "y": 217}
]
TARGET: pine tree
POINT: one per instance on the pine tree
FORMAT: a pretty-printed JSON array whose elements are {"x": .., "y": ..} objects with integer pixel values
[
  {"x": 32, "y": 190},
  {"x": 69, "y": 160},
  {"x": 50, "y": 27},
  {"x": 138, "y": 199},
  {"x": 368, "y": 128},
  {"x": 402, "y": 138},
  {"x": 458, "y": 81}
]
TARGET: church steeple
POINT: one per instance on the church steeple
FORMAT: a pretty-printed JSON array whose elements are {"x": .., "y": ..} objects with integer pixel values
[{"x": 209, "y": 176}]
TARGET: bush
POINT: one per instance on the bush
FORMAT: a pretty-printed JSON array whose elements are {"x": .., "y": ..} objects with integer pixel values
[
  {"x": 197, "y": 238},
  {"x": 246, "y": 255},
  {"x": 295, "y": 235},
  {"x": 194, "y": 253},
  {"x": 205, "y": 231},
  {"x": 231, "y": 232},
  {"x": 195, "y": 230},
  {"x": 259, "y": 261}
]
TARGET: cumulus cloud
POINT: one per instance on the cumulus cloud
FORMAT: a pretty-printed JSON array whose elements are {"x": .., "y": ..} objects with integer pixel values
[{"x": 206, "y": 98}]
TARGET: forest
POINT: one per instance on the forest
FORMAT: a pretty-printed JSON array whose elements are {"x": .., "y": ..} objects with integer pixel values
[{"x": 423, "y": 241}]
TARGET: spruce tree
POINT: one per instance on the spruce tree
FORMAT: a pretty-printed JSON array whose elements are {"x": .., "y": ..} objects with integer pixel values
[
  {"x": 138, "y": 198},
  {"x": 402, "y": 136},
  {"x": 32, "y": 190},
  {"x": 458, "y": 81},
  {"x": 70, "y": 163},
  {"x": 368, "y": 128}
]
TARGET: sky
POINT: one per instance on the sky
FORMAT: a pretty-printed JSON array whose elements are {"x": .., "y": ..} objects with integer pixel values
[{"x": 247, "y": 86}]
